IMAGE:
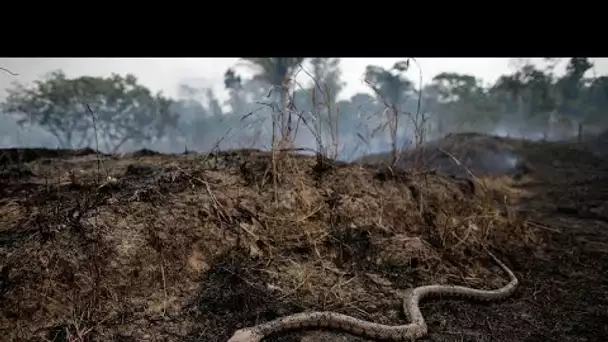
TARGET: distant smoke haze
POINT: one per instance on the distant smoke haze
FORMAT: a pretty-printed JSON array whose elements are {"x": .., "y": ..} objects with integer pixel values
[{"x": 169, "y": 75}]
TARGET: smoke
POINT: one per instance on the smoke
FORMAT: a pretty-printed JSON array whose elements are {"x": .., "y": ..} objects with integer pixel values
[
  {"x": 518, "y": 131},
  {"x": 212, "y": 117}
]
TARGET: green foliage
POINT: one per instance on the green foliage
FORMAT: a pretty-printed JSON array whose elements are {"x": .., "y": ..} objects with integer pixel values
[
  {"x": 458, "y": 100},
  {"x": 391, "y": 85},
  {"x": 123, "y": 109},
  {"x": 454, "y": 87}
]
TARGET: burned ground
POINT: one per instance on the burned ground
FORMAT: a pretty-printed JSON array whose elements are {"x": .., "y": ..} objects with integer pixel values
[
  {"x": 481, "y": 154},
  {"x": 190, "y": 248}
]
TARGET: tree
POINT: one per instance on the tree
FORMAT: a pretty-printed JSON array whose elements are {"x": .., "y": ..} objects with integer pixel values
[
  {"x": 237, "y": 101},
  {"x": 243, "y": 93},
  {"x": 277, "y": 72},
  {"x": 326, "y": 86},
  {"x": 247, "y": 109},
  {"x": 199, "y": 126},
  {"x": 392, "y": 88},
  {"x": 327, "y": 73},
  {"x": 597, "y": 99},
  {"x": 571, "y": 84},
  {"x": 460, "y": 100},
  {"x": 354, "y": 110},
  {"x": 513, "y": 86},
  {"x": 390, "y": 84},
  {"x": 123, "y": 109},
  {"x": 571, "y": 87},
  {"x": 232, "y": 80},
  {"x": 214, "y": 104},
  {"x": 453, "y": 86}
]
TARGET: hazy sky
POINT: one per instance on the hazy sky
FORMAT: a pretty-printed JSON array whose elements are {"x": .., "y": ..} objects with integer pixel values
[{"x": 166, "y": 73}]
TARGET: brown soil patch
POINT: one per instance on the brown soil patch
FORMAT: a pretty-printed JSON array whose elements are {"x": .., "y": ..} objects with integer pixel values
[{"x": 190, "y": 248}]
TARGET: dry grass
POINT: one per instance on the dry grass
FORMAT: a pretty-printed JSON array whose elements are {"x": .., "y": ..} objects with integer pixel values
[{"x": 140, "y": 257}]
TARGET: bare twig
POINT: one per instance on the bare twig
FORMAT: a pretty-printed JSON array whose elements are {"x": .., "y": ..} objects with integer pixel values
[
  {"x": 8, "y": 71},
  {"x": 99, "y": 164}
]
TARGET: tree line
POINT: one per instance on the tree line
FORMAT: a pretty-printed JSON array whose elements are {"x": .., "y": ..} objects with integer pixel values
[{"x": 120, "y": 112}]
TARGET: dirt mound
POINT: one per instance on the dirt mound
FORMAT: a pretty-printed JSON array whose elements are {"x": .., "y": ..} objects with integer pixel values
[
  {"x": 181, "y": 248},
  {"x": 457, "y": 154}
]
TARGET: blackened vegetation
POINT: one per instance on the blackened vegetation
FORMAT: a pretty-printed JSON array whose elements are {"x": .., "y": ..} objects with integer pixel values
[
  {"x": 234, "y": 296},
  {"x": 15, "y": 172},
  {"x": 353, "y": 247},
  {"x": 26, "y": 155},
  {"x": 189, "y": 248}
]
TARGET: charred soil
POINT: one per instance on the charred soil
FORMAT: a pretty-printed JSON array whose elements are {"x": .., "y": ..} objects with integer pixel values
[{"x": 151, "y": 247}]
